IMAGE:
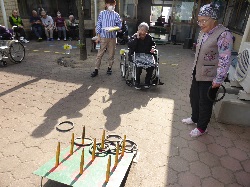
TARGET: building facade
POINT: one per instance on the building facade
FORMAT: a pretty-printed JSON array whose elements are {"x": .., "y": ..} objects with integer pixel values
[{"x": 235, "y": 16}]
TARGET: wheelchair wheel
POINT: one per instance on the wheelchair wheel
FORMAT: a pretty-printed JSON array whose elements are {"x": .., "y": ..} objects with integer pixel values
[
  {"x": 123, "y": 66},
  {"x": 156, "y": 75},
  {"x": 133, "y": 76},
  {"x": 16, "y": 52}
]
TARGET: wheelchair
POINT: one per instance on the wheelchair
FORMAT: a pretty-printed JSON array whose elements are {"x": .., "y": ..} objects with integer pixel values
[
  {"x": 11, "y": 49},
  {"x": 128, "y": 68}
]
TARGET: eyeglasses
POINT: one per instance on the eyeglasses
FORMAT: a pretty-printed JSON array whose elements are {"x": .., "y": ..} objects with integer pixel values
[{"x": 203, "y": 21}]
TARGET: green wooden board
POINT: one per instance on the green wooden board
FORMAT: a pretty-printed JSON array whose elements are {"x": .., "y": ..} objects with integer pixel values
[{"x": 94, "y": 173}]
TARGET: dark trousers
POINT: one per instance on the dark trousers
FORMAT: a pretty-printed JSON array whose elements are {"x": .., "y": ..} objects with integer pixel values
[
  {"x": 38, "y": 31},
  {"x": 148, "y": 75},
  {"x": 201, "y": 105},
  {"x": 73, "y": 32},
  {"x": 20, "y": 32}
]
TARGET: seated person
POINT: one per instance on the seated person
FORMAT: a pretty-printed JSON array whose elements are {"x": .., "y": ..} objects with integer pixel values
[
  {"x": 5, "y": 33},
  {"x": 48, "y": 24},
  {"x": 122, "y": 34},
  {"x": 72, "y": 26},
  {"x": 15, "y": 20},
  {"x": 36, "y": 25},
  {"x": 142, "y": 42},
  {"x": 60, "y": 26}
]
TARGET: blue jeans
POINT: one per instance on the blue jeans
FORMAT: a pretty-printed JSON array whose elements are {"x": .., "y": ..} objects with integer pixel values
[
  {"x": 60, "y": 30},
  {"x": 37, "y": 30}
]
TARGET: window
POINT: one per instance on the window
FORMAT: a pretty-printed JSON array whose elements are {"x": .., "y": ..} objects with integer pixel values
[
  {"x": 66, "y": 7},
  {"x": 160, "y": 11},
  {"x": 182, "y": 11},
  {"x": 239, "y": 14},
  {"x": 129, "y": 8}
]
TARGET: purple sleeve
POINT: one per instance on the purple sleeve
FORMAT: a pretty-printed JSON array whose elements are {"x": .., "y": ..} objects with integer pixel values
[{"x": 225, "y": 45}]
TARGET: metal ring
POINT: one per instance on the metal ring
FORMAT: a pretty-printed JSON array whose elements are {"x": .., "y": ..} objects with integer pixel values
[
  {"x": 80, "y": 144},
  {"x": 65, "y": 122},
  {"x": 216, "y": 100}
]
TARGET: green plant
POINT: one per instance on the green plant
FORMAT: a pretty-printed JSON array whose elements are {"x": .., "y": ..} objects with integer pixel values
[{"x": 81, "y": 45}]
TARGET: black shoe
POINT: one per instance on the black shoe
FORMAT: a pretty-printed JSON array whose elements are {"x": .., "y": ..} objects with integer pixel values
[
  {"x": 137, "y": 86},
  {"x": 95, "y": 73},
  {"x": 109, "y": 71}
]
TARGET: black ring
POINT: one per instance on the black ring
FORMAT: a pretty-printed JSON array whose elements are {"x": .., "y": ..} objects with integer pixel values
[
  {"x": 113, "y": 145},
  {"x": 134, "y": 146},
  {"x": 79, "y": 144},
  {"x": 113, "y": 135},
  {"x": 100, "y": 151},
  {"x": 68, "y": 122},
  {"x": 129, "y": 83},
  {"x": 216, "y": 100}
]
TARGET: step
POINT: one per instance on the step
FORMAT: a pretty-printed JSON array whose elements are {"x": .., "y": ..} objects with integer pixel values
[{"x": 233, "y": 111}]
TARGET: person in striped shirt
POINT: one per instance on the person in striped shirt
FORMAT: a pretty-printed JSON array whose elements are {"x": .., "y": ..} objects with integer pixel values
[{"x": 107, "y": 39}]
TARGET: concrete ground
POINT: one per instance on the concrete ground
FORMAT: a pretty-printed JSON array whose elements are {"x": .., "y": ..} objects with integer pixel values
[{"x": 39, "y": 93}]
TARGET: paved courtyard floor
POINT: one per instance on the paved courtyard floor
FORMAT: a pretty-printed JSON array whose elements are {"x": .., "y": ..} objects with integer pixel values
[{"x": 39, "y": 93}]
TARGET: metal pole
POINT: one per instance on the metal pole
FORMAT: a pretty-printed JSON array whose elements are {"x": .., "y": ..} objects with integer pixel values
[
  {"x": 136, "y": 4},
  {"x": 95, "y": 12},
  {"x": 4, "y": 14},
  {"x": 246, "y": 33}
]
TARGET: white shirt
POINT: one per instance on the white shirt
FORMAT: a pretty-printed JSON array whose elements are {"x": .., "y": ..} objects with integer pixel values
[{"x": 47, "y": 21}]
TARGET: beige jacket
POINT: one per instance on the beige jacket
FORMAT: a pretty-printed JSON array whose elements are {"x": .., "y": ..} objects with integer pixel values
[{"x": 206, "y": 56}]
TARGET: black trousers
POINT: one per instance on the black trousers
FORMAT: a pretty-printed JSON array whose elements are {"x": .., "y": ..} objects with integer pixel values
[
  {"x": 201, "y": 105},
  {"x": 73, "y": 32},
  {"x": 148, "y": 77},
  {"x": 20, "y": 32}
]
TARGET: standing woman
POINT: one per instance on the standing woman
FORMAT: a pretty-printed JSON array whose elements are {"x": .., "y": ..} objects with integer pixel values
[
  {"x": 60, "y": 26},
  {"x": 210, "y": 66},
  {"x": 107, "y": 18}
]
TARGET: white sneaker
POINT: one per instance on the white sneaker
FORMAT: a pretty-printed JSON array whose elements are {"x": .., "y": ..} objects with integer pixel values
[
  {"x": 188, "y": 121},
  {"x": 25, "y": 41},
  {"x": 65, "y": 39},
  {"x": 58, "y": 39},
  {"x": 195, "y": 133}
]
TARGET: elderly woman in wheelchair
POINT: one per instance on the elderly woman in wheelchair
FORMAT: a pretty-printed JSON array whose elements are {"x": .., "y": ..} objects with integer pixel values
[{"x": 141, "y": 55}]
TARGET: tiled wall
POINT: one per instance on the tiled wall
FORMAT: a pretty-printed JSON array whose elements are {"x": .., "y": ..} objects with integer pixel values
[{"x": 9, "y": 6}]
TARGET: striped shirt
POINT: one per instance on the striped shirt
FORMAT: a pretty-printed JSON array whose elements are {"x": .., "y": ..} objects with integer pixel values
[{"x": 108, "y": 19}]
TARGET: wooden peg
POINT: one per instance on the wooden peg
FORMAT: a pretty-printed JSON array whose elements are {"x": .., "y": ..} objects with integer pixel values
[
  {"x": 108, "y": 169},
  {"x": 103, "y": 138},
  {"x": 82, "y": 162},
  {"x": 72, "y": 144},
  {"x": 123, "y": 145},
  {"x": 83, "y": 134},
  {"x": 117, "y": 154},
  {"x": 94, "y": 148},
  {"x": 57, "y": 154}
]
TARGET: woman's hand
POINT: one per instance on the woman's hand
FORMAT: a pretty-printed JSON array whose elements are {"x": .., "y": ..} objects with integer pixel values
[
  {"x": 152, "y": 50},
  {"x": 138, "y": 34},
  {"x": 98, "y": 39},
  {"x": 215, "y": 85}
]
